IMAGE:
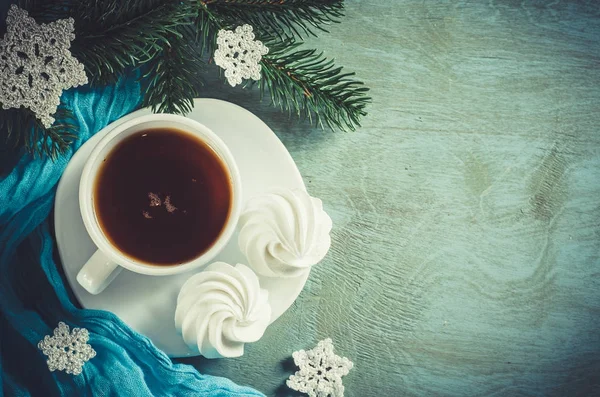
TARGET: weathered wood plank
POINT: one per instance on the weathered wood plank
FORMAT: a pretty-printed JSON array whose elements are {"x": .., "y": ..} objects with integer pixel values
[{"x": 466, "y": 241}]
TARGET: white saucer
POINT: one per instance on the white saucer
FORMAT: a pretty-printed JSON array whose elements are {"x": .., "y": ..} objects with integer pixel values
[{"x": 147, "y": 303}]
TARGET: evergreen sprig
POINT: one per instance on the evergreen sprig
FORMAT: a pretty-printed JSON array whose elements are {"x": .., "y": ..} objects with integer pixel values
[
  {"x": 108, "y": 46},
  {"x": 173, "y": 78},
  {"x": 112, "y": 35},
  {"x": 167, "y": 40},
  {"x": 299, "y": 18},
  {"x": 306, "y": 82}
]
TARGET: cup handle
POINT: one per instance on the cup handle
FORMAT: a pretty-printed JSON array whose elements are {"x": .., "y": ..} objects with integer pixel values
[{"x": 98, "y": 272}]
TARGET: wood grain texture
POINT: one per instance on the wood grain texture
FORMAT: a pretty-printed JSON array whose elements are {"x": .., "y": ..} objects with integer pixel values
[{"x": 466, "y": 240}]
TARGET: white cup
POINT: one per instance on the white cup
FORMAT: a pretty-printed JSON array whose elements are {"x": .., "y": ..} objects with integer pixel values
[{"x": 107, "y": 262}]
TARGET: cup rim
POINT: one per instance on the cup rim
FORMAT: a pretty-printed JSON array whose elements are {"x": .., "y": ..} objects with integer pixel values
[{"x": 90, "y": 172}]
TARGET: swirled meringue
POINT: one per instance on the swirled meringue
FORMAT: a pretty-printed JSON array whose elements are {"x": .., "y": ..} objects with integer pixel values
[
  {"x": 283, "y": 234},
  {"x": 220, "y": 309}
]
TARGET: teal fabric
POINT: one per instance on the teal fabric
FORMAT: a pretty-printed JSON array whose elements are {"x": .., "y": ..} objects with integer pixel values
[{"x": 34, "y": 297}]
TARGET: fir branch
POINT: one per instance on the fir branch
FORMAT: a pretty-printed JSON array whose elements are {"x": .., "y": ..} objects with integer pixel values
[
  {"x": 173, "y": 78},
  {"x": 311, "y": 85},
  {"x": 93, "y": 14},
  {"x": 306, "y": 82},
  {"x": 105, "y": 13},
  {"x": 153, "y": 35},
  {"x": 45, "y": 11},
  {"x": 108, "y": 45},
  {"x": 206, "y": 26},
  {"x": 20, "y": 128},
  {"x": 299, "y": 18}
]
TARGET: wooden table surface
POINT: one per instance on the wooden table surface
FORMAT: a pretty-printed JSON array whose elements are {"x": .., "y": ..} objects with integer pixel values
[{"x": 466, "y": 243}]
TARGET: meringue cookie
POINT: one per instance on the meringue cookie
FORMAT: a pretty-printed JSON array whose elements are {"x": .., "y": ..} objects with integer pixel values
[
  {"x": 283, "y": 234},
  {"x": 221, "y": 309}
]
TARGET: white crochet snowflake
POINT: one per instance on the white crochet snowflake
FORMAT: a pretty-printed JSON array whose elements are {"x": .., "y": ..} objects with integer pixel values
[
  {"x": 67, "y": 351},
  {"x": 320, "y": 372},
  {"x": 239, "y": 54},
  {"x": 36, "y": 64}
]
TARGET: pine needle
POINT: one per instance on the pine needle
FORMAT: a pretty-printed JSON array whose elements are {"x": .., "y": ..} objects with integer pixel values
[
  {"x": 298, "y": 18},
  {"x": 167, "y": 40},
  {"x": 306, "y": 82},
  {"x": 173, "y": 78}
]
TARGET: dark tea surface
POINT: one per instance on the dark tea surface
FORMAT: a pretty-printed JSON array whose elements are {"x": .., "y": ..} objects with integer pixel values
[{"x": 162, "y": 196}]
